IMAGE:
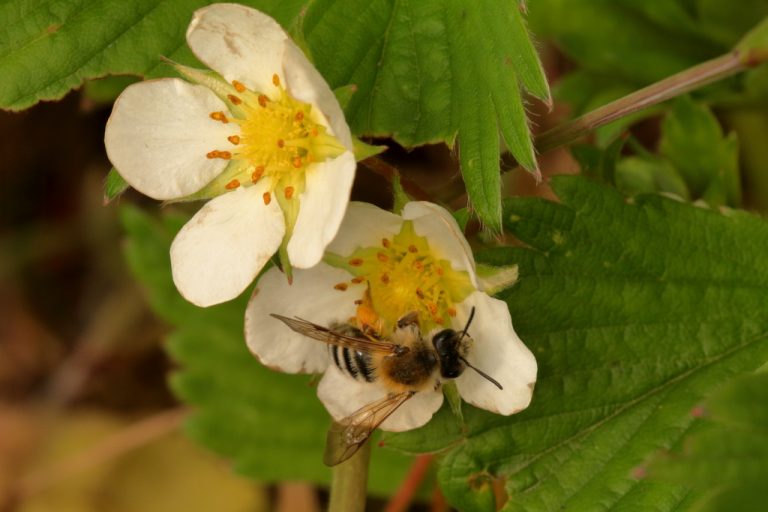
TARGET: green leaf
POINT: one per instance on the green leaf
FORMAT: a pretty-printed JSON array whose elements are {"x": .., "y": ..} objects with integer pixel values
[
  {"x": 693, "y": 141},
  {"x": 415, "y": 64},
  {"x": 48, "y": 47},
  {"x": 635, "y": 311},
  {"x": 114, "y": 185},
  {"x": 727, "y": 453},
  {"x": 271, "y": 425},
  {"x": 644, "y": 175}
]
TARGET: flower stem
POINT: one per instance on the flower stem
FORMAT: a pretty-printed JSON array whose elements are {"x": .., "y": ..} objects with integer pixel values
[
  {"x": 675, "y": 85},
  {"x": 349, "y": 482}
]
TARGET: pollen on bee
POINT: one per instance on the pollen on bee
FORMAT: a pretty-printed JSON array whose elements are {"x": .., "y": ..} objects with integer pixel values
[
  {"x": 297, "y": 162},
  {"x": 358, "y": 279},
  {"x": 232, "y": 185},
  {"x": 299, "y": 116},
  {"x": 262, "y": 100},
  {"x": 451, "y": 311},
  {"x": 342, "y": 287},
  {"x": 219, "y": 116},
  {"x": 238, "y": 86},
  {"x": 280, "y": 143},
  {"x": 385, "y": 242},
  {"x": 276, "y": 80},
  {"x": 234, "y": 99},
  {"x": 234, "y": 139},
  {"x": 288, "y": 191},
  {"x": 382, "y": 257},
  {"x": 385, "y": 278},
  {"x": 356, "y": 262},
  {"x": 412, "y": 248},
  {"x": 257, "y": 173},
  {"x": 267, "y": 198}
]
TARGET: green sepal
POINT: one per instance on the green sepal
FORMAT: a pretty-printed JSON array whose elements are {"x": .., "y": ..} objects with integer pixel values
[
  {"x": 363, "y": 150},
  {"x": 496, "y": 279},
  {"x": 400, "y": 197},
  {"x": 451, "y": 393},
  {"x": 114, "y": 185}
]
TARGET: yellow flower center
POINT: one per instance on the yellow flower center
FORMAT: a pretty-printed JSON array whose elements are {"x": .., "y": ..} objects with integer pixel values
[
  {"x": 278, "y": 139},
  {"x": 403, "y": 275}
]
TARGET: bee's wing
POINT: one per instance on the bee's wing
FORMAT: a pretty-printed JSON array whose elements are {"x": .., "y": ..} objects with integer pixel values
[
  {"x": 348, "y": 435},
  {"x": 324, "y": 334}
]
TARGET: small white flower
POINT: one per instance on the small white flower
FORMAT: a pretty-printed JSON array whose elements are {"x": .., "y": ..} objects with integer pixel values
[
  {"x": 380, "y": 267},
  {"x": 263, "y": 137}
]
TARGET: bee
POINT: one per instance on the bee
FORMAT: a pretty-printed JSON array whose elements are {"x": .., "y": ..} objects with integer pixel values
[{"x": 404, "y": 363}]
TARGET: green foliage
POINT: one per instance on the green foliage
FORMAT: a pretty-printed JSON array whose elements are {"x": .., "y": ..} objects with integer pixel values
[
  {"x": 413, "y": 64},
  {"x": 635, "y": 311},
  {"x": 270, "y": 424},
  {"x": 726, "y": 454}
]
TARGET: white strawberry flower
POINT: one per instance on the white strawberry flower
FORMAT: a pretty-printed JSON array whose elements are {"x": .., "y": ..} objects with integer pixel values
[
  {"x": 380, "y": 267},
  {"x": 262, "y": 136}
]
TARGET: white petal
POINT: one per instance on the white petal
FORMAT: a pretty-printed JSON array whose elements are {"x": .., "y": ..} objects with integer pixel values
[
  {"x": 311, "y": 297},
  {"x": 239, "y": 43},
  {"x": 159, "y": 133},
  {"x": 498, "y": 352},
  {"x": 364, "y": 225},
  {"x": 342, "y": 395},
  {"x": 219, "y": 252},
  {"x": 321, "y": 210},
  {"x": 443, "y": 234},
  {"x": 305, "y": 83}
]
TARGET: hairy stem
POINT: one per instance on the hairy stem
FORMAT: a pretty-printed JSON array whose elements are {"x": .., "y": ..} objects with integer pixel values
[
  {"x": 675, "y": 85},
  {"x": 349, "y": 483}
]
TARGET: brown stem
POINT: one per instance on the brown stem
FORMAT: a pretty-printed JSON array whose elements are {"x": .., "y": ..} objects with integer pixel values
[
  {"x": 389, "y": 172},
  {"x": 410, "y": 485},
  {"x": 675, "y": 85}
]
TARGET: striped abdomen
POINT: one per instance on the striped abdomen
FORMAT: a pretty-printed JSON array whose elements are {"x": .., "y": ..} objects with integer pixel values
[{"x": 358, "y": 365}]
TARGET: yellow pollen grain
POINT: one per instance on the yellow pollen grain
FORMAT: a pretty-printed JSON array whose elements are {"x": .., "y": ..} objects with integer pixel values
[
  {"x": 219, "y": 116},
  {"x": 267, "y": 197},
  {"x": 342, "y": 287},
  {"x": 382, "y": 257},
  {"x": 232, "y": 185},
  {"x": 262, "y": 100},
  {"x": 238, "y": 86},
  {"x": 288, "y": 192},
  {"x": 356, "y": 262},
  {"x": 234, "y": 99},
  {"x": 234, "y": 139},
  {"x": 276, "y": 80}
]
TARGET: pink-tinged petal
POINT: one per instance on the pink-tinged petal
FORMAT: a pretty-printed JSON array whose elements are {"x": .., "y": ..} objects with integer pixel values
[
  {"x": 364, "y": 225},
  {"x": 342, "y": 395},
  {"x": 159, "y": 134},
  {"x": 312, "y": 297},
  {"x": 499, "y": 352},
  {"x": 219, "y": 252},
  {"x": 442, "y": 232},
  {"x": 321, "y": 209},
  {"x": 305, "y": 83},
  {"x": 240, "y": 44}
]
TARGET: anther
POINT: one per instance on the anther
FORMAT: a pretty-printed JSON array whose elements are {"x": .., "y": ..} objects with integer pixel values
[
  {"x": 358, "y": 302},
  {"x": 412, "y": 248},
  {"x": 276, "y": 80},
  {"x": 224, "y": 155},
  {"x": 267, "y": 198},
  {"x": 356, "y": 262},
  {"x": 234, "y": 139},
  {"x": 234, "y": 99},
  {"x": 439, "y": 320},
  {"x": 288, "y": 192},
  {"x": 262, "y": 100},
  {"x": 280, "y": 143},
  {"x": 419, "y": 293},
  {"x": 342, "y": 287},
  {"x": 238, "y": 86},
  {"x": 385, "y": 278},
  {"x": 257, "y": 173},
  {"x": 299, "y": 116},
  {"x": 219, "y": 116},
  {"x": 432, "y": 308},
  {"x": 212, "y": 154},
  {"x": 418, "y": 265},
  {"x": 440, "y": 271},
  {"x": 451, "y": 311},
  {"x": 314, "y": 132},
  {"x": 358, "y": 279},
  {"x": 382, "y": 257},
  {"x": 232, "y": 185},
  {"x": 385, "y": 242},
  {"x": 297, "y": 162}
]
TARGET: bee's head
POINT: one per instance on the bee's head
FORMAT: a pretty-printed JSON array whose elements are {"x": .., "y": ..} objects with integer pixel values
[{"x": 451, "y": 351}]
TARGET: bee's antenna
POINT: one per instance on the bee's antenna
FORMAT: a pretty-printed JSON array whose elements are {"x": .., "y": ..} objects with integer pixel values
[
  {"x": 466, "y": 327},
  {"x": 482, "y": 373}
]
